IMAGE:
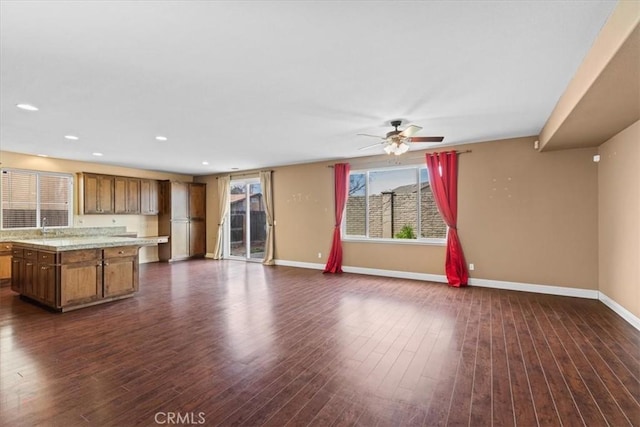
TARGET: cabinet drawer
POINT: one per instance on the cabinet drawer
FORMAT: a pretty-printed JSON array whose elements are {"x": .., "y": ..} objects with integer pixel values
[
  {"x": 31, "y": 254},
  {"x": 5, "y": 248},
  {"x": 84, "y": 255},
  {"x": 46, "y": 257},
  {"x": 18, "y": 253},
  {"x": 120, "y": 251}
]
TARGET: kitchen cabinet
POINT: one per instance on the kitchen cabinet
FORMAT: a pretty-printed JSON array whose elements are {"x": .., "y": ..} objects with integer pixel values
[
  {"x": 17, "y": 269},
  {"x": 182, "y": 217},
  {"x": 120, "y": 271},
  {"x": 197, "y": 217},
  {"x": 80, "y": 277},
  {"x": 120, "y": 195},
  {"x": 98, "y": 193},
  {"x": 34, "y": 274},
  {"x": 5, "y": 262},
  {"x": 74, "y": 279},
  {"x": 148, "y": 197},
  {"x": 46, "y": 278},
  {"x": 126, "y": 195},
  {"x": 197, "y": 237}
]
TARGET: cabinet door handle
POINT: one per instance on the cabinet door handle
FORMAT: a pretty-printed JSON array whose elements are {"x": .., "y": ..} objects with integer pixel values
[
  {"x": 120, "y": 252},
  {"x": 106, "y": 263},
  {"x": 29, "y": 253},
  {"x": 29, "y": 263}
]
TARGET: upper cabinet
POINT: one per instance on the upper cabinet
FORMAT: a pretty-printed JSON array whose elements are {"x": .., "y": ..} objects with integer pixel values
[
  {"x": 108, "y": 194},
  {"x": 149, "y": 197},
  {"x": 127, "y": 195},
  {"x": 197, "y": 205},
  {"x": 98, "y": 193}
]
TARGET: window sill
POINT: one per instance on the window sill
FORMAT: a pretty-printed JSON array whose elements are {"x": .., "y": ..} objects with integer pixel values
[{"x": 419, "y": 242}]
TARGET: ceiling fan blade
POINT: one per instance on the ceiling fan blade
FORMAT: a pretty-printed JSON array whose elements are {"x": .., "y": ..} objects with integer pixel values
[
  {"x": 370, "y": 146},
  {"x": 410, "y": 131},
  {"x": 426, "y": 139},
  {"x": 372, "y": 136}
]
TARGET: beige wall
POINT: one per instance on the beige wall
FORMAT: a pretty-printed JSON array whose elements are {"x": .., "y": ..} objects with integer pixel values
[
  {"x": 144, "y": 225},
  {"x": 619, "y": 218},
  {"x": 524, "y": 216},
  {"x": 530, "y": 217},
  {"x": 303, "y": 210}
]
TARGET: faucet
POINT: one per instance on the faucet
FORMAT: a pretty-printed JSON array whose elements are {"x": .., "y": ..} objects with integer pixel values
[{"x": 44, "y": 226}]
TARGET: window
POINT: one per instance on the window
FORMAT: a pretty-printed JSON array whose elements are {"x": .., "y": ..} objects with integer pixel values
[
  {"x": 392, "y": 204},
  {"x": 28, "y": 197}
]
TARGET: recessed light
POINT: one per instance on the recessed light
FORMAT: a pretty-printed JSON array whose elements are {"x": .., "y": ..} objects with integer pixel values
[
  {"x": 27, "y": 107},
  {"x": 235, "y": 169},
  {"x": 72, "y": 137},
  {"x": 161, "y": 138},
  {"x": 205, "y": 163},
  {"x": 97, "y": 154},
  {"x": 43, "y": 155}
]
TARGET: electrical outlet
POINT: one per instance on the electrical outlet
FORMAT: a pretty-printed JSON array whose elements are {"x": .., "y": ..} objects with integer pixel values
[
  {"x": 319, "y": 254},
  {"x": 472, "y": 267}
]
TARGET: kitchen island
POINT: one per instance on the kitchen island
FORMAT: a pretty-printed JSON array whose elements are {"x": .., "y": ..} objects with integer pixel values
[{"x": 74, "y": 272}]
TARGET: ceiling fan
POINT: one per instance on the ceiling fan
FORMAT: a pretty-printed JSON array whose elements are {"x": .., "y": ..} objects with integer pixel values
[{"x": 397, "y": 142}]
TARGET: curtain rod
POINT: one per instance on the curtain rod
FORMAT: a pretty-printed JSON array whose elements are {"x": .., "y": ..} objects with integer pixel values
[
  {"x": 247, "y": 174},
  {"x": 457, "y": 152}
]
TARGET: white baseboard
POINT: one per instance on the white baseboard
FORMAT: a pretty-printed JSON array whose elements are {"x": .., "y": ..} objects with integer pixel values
[
  {"x": 486, "y": 283},
  {"x": 497, "y": 284},
  {"x": 539, "y": 289},
  {"x": 396, "y": 273},
  {"x": 309, "y": 265},
  {"x": 620, "y": 311}
]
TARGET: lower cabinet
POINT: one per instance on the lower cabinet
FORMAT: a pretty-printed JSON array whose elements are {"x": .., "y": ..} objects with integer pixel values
[
  {"x": 46, "y": 281},
  {"x": 38, "y": 278},
  {"x": 73, "y": 279},
  {"x": 120, "y": 271},
  {"x": 17, "y": 270},
  {"x": 5, "y": 261},
  {"x": 80, "y": 277}
]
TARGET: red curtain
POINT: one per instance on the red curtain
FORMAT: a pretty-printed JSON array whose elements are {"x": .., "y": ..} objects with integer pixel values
[
  {"x": 443, "y": 176},
  {"x": 341, "y": 174}
]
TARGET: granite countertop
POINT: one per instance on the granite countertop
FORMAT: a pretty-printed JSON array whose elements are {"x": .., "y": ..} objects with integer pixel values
[
  {"x": 60, "y": 244},
  {"x": 63, "y": 233}
]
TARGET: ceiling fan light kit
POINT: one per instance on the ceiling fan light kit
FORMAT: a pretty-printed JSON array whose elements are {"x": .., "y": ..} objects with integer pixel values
[
  {"x": 397, "y": 142},
  {"x": 395, "y": 148}
]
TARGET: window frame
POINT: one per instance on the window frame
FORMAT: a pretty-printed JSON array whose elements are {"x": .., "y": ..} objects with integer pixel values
[
  {"x": 38, "y": 174},
  {"x": 366, "y": 239}
]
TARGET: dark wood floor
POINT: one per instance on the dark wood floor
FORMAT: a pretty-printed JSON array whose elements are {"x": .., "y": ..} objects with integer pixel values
[{"x": 232, "y": 343}]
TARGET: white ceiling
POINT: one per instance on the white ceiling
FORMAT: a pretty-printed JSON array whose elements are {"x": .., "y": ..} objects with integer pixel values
[{"x": 256, "y": 84}]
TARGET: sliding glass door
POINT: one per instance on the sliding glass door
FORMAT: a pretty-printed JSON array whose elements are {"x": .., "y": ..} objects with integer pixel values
[{"x": 247, "y": 224}]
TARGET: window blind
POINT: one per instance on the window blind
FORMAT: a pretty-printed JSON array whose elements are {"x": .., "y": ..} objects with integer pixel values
[{"x": 30, "y": 196}]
